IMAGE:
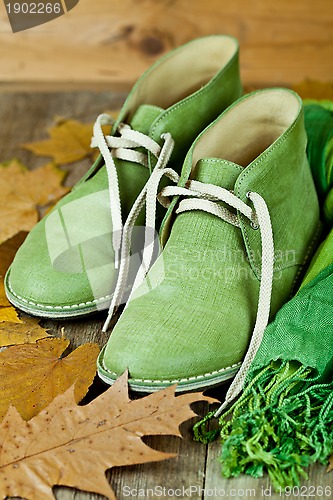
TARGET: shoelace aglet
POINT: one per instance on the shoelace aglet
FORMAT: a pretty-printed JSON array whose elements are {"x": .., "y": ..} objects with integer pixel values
[
  {"x": 223, "y": 406},
  {"x": 116, "y": 258},
  {"x": 107, "y": 321}
]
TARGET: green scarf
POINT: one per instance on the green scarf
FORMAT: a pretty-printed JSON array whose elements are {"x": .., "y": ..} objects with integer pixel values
[
  {"x": 318, "y": 118},
  {"x": 283, "y": 422}
]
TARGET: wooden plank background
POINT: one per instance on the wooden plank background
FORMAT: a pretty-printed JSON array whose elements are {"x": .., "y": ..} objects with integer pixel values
[{"x": 108, "y": 43}]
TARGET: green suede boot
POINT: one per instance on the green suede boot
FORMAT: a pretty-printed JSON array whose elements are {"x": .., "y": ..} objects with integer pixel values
[
  {"x": 66, "y": 266},
  {"x": 241, "y": 226}
]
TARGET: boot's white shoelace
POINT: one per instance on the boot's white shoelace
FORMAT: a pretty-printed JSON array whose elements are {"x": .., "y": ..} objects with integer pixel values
[
  {"x": 122, "y": 147},
  {"x": 205, "y": 197}
]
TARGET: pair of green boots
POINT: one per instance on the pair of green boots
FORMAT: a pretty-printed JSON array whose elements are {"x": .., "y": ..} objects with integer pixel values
[{"x": 240, "y": 224}]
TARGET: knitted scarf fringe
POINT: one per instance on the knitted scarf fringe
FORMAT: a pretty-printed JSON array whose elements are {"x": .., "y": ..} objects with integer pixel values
[{"x": 282, "y": 423}]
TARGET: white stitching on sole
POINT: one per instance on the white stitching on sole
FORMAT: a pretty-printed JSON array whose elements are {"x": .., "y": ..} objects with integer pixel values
[
  {"x": 42, "y": 306},
  {"x": 195, "y": 377}
]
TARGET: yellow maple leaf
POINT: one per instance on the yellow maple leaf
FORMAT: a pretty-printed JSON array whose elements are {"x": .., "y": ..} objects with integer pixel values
[
  {"x": 9, "y": 314},
  {"x": 25, "y": 332},
  {"x": 72, "y": 445},
  {"x": 32, "y": 375},
  {"x": 23, "y": 191},
  {"x": 69, "y": 142}
]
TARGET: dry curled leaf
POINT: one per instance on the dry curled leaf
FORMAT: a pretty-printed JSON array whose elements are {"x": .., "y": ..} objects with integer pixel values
[
  {"x": 7, "y": 252},
  {"x": 32, "y": 375},
  {"x": 72, "y": 445},
  {"x": 23, "y": 191},
  {"x": 330, "y": 464},
  {"x": 25, "y": 332},
  {"x": 69, "y": 142}
]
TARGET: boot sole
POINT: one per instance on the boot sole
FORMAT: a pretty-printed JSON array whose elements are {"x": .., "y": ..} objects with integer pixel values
[{"x": 196, "y": 382}]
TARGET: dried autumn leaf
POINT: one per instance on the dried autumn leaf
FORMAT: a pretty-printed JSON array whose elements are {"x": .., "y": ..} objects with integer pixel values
[
  {"x": 3, "y": 299},
  {"x": 23, "y": 191},
  {"x": 69, "y": 142},
  {"x": 25, "y": 332},
  {"x": 9, "y": 315},
  {"x": 312, "y": 89},
  {"x": 330, "y": 464},
  {"x": 72, "y": 445},
  {"x": 32, "y": 375},
  {"x": 7, "y": 252}
]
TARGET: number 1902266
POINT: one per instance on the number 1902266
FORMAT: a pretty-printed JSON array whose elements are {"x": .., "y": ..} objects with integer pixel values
[{"x": 33, "y": 8}]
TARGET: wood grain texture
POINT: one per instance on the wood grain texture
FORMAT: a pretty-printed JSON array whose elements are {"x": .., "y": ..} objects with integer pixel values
[
  {"x": 23, "y": 118},
  {"x": 107, "y": 43}
]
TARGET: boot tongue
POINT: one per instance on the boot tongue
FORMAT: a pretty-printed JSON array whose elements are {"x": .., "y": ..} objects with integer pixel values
[
  {"x": 144, "y": 116},
  {"x": 222, "y": 173}
]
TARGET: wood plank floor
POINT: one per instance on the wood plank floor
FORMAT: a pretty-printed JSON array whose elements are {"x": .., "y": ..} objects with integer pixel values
[
  {"x": 23, "y": 118},
  {"x": 107, "y": 42}
]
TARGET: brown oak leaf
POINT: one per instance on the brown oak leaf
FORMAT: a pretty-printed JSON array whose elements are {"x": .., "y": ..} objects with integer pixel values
[
  {"x": 25, "y": 332},
  {"x": 72, "y": 445},
  {"x": 23, "y": 191},
  {"x": 32, "y": 375},
  {"x": 69, "y": 142}
]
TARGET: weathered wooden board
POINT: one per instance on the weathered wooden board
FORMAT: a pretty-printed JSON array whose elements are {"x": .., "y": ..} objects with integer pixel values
[
  {"x": 104, "y": 43},
  {"x": 25, "y": 117}
]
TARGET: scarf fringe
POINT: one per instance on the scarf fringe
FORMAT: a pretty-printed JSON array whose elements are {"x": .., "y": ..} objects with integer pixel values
[{"x": 282, "y": 423}]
